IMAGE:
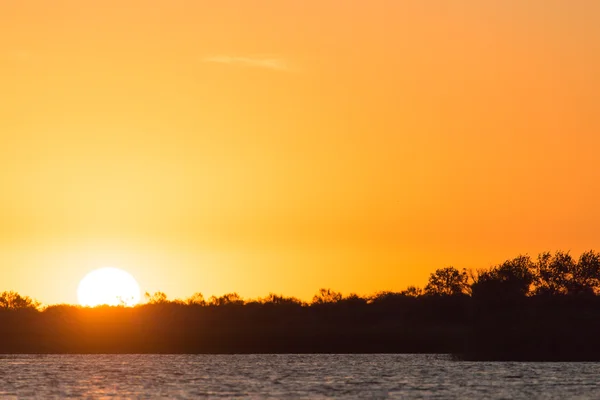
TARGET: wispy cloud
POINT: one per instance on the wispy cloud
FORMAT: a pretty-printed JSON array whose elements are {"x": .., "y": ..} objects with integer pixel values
[{"x": 253, "y": 62}]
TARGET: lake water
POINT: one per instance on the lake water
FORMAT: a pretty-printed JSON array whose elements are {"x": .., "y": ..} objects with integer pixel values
[{"x": 289, "y": 376}]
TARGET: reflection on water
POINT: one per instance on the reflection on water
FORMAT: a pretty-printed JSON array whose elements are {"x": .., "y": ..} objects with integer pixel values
[{"x": 289, "y": 376}]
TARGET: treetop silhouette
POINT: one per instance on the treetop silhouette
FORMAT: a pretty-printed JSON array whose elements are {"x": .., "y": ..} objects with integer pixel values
[{"x": 544, "y": 308}]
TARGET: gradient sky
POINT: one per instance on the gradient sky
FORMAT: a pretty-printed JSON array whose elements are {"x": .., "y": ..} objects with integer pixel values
[{"x": 284, "y": 145}]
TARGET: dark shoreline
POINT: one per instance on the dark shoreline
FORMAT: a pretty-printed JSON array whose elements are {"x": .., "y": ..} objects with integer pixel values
[
  {"x": 547, "y": 309},
  {"x": 531, "y": 329}
]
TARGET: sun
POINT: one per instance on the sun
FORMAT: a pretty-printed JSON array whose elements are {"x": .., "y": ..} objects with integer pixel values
[{"x": 110, "y": 286}]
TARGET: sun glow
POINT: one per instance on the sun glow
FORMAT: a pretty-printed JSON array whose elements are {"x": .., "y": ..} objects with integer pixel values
[{"x": 110, "y": 286}]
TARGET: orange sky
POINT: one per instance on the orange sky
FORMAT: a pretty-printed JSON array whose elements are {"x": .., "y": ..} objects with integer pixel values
[{"x": 284, "y": 146}]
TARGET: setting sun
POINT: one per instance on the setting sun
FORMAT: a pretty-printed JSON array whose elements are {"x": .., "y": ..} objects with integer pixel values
[{"x": 110, "y": 286}]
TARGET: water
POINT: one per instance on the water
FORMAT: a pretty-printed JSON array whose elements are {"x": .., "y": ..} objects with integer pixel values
[{"x": 289, "y": 376}]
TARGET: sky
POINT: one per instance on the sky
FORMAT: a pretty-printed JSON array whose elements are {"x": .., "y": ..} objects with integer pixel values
[{"x": 283, "y": 146}]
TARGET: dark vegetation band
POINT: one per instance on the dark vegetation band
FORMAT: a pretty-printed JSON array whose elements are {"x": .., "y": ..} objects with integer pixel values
[{"x": 543, "y": 308}]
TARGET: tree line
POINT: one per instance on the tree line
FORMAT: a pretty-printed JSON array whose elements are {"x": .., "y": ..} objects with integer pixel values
[
  {"x": 525, "y": 308},
  {"x": 550, "y": 274}
]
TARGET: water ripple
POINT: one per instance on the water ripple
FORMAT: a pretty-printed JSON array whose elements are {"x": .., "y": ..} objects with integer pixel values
[{"x": 289, "y": 376}]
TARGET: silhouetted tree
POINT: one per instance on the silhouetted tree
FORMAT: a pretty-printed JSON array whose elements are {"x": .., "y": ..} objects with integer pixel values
[
  {"x": 586, "y": 276},
  {"x": 447, "y": 282},
  {"x": 326, "y": 296},
  {"x": 280, "y": 299},
  {"x": 554, "y": 273},
  {"x": 196, "y": 299},
  {"x": 156, "y": 298},
  {"x": 511, "y": 279},
  {"x": 412, "y": 291},
  {"x": 14, "y": 301},
  {"x": 226, "y": 299}
]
